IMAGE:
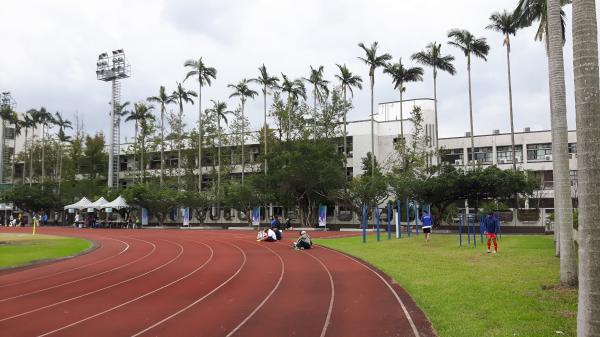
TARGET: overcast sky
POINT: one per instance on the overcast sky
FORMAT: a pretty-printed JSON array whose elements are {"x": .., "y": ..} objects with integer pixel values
[{"x": 50, "y": 48}]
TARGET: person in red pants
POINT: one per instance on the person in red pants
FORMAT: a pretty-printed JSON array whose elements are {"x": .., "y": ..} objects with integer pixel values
[{"x": 491, "y": 229}]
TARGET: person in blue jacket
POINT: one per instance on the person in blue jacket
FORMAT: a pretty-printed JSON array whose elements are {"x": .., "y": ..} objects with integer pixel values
[
  {"x": 491, "y": 230},
  {"x": 426, "y": 224}
]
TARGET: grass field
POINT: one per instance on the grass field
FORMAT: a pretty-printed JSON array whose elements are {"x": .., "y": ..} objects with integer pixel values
[
  {"x": 467, "y": 292},
  {"x": 23, "y": 249}
]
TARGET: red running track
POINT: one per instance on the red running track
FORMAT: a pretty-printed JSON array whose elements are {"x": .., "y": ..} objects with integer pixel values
[{"x": 203, "y": 283}]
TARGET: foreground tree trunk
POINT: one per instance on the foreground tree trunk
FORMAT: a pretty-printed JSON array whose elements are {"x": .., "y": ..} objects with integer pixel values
[
  {"x": 587, "y": 103},
  {"x": 563, "y": 207}
]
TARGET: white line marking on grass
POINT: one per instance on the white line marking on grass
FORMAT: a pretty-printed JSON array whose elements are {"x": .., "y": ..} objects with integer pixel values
[
  {"x": 410, "y": 321},
  {"x": 268, "y": 295},
  {"x": 328, "y": 317},
  {"x": 139, "y": 297},
  {"x": 73, "y": 269},
  {"x": 198, "y": 300}
]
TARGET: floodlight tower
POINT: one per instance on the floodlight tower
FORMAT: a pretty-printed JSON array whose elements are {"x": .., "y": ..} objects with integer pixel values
[
  {"x": 7, "y": 104},
  {"x": 112, "y": 68}
]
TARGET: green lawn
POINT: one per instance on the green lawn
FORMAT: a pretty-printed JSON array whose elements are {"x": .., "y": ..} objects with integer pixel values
[
  {"x": 466, "y": 292},
  {"x": 22, "y": 249}
]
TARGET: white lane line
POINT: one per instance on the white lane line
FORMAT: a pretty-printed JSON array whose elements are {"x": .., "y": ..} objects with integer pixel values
[
  {"x": 201, "y": 298},
  {"x": 410, "y": 320},
  {"x": 73, "y": 269},
  {"x": 268, "y": 295},
  {"x": 328, "y": 318},
  {"x": 84, "y": 278},
  {"x": 137, "y": 298},
  {"x": 97, "y": 290}
]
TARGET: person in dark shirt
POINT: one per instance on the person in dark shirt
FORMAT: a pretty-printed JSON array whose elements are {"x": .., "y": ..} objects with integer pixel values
[{"x": 491, "y": 230}]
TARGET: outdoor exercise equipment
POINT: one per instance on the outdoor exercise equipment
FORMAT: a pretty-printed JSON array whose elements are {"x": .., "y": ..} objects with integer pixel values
[
  {"x": 389, "y": 220},
  {"x": 364, "y": 223}
]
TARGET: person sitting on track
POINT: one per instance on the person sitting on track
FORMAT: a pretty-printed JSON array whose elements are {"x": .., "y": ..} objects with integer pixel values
[
  {"x": 268, "y": 235},
  {"x": 303, "y": 242}
]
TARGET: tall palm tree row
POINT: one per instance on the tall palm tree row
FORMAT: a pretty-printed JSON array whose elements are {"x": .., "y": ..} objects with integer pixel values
[
  {"x": 294, "y": 90},
  {"x": 45, "y": 120},
  {"x": 242, "y": 91},
  {"x": 374, "y": 61},
  {"x": 19, "y": 125},
  {"x": 31, "y": 122},
  {"x": 319, "y": 92},
  {"x": 432, "y": 57},
  {"x": 401, "y": 75},
  {"x": 478, "y": 47},
  {"x": 587, "y": 106},
  {"x": 162, "y": 99},
  {"x": 204, "y": 74},
  {"x": 347, "y": 81},
  {"x": 507, "y": 23},
  {"x": 141, "y": 115},
  {"x": 267, "y": 82},
  {"x": 181, "y": 95}
]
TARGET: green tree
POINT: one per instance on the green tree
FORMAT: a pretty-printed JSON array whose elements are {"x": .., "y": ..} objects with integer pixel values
[
  {"x": 267, "y": 82},
  {"x": 181, "y": 96},
  {"x": 587, "y": 91},
  {"x": 219, "y": 112},
  {"x": 204, "y": 74},
  {"x": 369, "y": 189},
  {"x": 401, "y": 75},
  {"x": 294, "y": 90},
  {"x": 142, "y": 116},
  {"x": 320, "y": 90},
  {"x": 242, "y": 91},
  {"x": 432, "y": 57},
  {"x": 478, "y": 47},
  {"x": 62, "y": 124},
  {"x": 94, "y": 158},
  {"x": 158, "y": 201}
]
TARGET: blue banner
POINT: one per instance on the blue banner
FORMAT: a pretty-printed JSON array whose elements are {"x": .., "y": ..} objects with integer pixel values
[
  {"x": 322, "y": 215},
  {"x": 144, "y": 217},
  {"x": 256, "y": 216},
  {"x": 186, "y": 217}
]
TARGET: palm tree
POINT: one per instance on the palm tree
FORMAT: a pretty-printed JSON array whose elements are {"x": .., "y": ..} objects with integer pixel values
[
  {"x": 294, "y": 89},
  {"x": 552, "y": 29},
  {"x": 62, "y": 138},
  {"x": 45, "y": 119},
  {"x": 19, "y": 125},
  {"x": 163, "y": 100},
  {"x": 242, "y": 91},
  {"x": 181, "y": 95},
  {"x": 347, "y": 80},
  {"x": 432, "y": 57},
  {"x": 507, "y": 24},
  {"x": 141, "y": 114},
  {"x": 219, "y": 111},
  {"x": 204, "y": 74},
  {"x": 587, "y": 91},
  {"x": 401, "y": 75},
  {"x": 268, "y": 82},
  {"x": 320, "y": 90},
  {"x": 374, "y": 61},
  {"x": 29, "y": 123},
  {"x": 469, "y": 45}
]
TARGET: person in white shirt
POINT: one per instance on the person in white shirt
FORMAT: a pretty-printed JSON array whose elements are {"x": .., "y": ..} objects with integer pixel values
[{"x": 268, "y": 235}]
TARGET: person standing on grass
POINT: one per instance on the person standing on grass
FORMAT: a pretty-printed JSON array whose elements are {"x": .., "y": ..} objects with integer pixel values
[
  {"x": 491, "y": 229},
  {"x": 426, "y": 224}
]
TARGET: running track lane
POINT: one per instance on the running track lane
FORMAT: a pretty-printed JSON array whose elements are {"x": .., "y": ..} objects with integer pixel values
[{"x": 223, "y": 283}]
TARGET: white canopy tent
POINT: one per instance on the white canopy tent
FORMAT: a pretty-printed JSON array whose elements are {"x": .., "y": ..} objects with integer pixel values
[
  {"x": 118, "y": 203},
  {"x": 99, "y": 204},
  {"x": 79, "y": 204}
]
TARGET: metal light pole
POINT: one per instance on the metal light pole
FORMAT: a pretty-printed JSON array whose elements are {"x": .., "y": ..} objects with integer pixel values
[{"x": 112, "y": 68}]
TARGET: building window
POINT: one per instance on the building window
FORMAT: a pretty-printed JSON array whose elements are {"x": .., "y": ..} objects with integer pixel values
[
  {"x": 348, "y": 146},
  {"x": 573, "y": 150},
  {"x": 539, "y": 152},
  {"x": 482, "y": 154},
  {"x": 573, "y": 177},
  {"x": 349, "y": 173},
  {"x": 453, "y": 156},
  {"x": 504, "y": 154},
  {"x": 9, "y": 133}
]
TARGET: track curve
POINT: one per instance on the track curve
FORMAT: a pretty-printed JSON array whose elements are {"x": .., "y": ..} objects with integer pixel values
[{"x": 202, "y": 283}]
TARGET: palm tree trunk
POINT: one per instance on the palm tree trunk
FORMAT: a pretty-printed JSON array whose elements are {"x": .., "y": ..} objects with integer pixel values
[
  {"x": 587, "y": 91},
  {"x": 372, "y": 130},
  {"x": 162, "y": 146},
  {"x": 315, "y": 115},
  {"x": 31, "y": 157},
  {"x": 179, "y": 148},
  {"x": 401, "y": 117},
  {"x": 437, "y": 148},
  {"x": 563, "y": 207},
  {"x": 471, "y": 113},
  {"x": 135, "y": 147},
  {"x": 218, "y": 159},
  {"x": 199, "y": 135},
  {"x": 243, "y": 143},
  {"x": 24, "y": 160},
  {"x": 43, "y": 157},
  {"x": 14, "y": 166},
  {"x": 142, "y": 156},
  {"x": 345, "y": 137},
  {"x": 265, "y": 127},
  {"x": 60, "y": 168},
  {"x": 512, "y": 125}
]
